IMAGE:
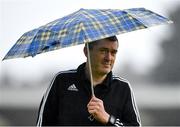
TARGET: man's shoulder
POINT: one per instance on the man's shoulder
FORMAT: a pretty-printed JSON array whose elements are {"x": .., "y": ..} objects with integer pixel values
[
  {"x": 119, "y": 79},
  {"x": 120, "y": 82},
  {"x": 67, "y": 73}
]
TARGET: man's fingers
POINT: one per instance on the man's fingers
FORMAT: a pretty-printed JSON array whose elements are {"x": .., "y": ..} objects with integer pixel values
[
  {"x": 94, "y": 108},
  {"x": 95, "y": 99},
  {"x": 94, "y": 104},
  {"x": 93, "y": 112}
]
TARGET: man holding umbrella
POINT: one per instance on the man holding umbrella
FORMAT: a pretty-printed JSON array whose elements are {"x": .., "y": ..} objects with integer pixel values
[
  {"x": 69, "y": 101},
  {"x": 91, "y": 94}
]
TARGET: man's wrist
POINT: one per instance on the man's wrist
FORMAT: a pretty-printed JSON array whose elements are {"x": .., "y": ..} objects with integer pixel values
[{"x": 106, "y": 118}]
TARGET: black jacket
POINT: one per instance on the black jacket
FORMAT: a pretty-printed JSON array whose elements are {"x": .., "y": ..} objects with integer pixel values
[{"x": 65, "y": 101}]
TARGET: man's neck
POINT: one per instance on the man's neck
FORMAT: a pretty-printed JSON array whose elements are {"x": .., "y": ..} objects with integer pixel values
[{"x": 97, "y": 78}]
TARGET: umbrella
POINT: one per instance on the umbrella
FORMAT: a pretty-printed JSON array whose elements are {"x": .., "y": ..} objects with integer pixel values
[{"x": 83, "y": 26}]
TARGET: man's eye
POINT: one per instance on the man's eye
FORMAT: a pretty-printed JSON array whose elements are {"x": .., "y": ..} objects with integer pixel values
[
  {"x": 103, "y": 51},
  {"x": 113, "y": 52}
]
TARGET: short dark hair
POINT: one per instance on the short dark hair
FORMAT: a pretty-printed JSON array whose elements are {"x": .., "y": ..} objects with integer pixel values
[{"x": 91, "y": 44}]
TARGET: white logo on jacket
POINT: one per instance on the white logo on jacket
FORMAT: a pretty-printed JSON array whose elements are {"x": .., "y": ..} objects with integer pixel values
[{"x": 72, "y": 88}]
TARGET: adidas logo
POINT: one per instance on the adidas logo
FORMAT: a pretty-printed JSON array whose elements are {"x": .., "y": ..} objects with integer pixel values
[{"x": 72, "y": 88}]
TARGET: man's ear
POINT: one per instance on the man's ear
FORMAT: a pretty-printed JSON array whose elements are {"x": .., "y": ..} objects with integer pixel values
[{"x": 85, "y": 51}]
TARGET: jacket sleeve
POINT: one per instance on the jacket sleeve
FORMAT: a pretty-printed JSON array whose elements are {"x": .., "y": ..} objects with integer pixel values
[
  {"x": 130, "y": 115},
  {"x": 49, "y": 105}
]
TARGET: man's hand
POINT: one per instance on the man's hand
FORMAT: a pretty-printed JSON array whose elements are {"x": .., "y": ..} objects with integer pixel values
[{"x": 96, "y": 108}]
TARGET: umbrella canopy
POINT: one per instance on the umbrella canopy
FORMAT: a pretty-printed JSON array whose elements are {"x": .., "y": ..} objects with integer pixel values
[{"x": 83, "y": 26}]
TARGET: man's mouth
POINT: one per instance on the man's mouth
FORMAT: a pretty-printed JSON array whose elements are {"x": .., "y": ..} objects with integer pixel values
[{"x": 107, "y": 64}]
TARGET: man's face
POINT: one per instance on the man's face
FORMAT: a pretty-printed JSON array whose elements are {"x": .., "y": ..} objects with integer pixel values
[{"x": 103, "y": 55}]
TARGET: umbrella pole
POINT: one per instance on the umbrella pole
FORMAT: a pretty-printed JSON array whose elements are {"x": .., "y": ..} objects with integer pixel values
[{"x": 90, "y": 70}]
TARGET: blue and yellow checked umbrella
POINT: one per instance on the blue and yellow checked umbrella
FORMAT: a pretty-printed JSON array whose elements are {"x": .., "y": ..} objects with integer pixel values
[{"x": 83, "y": 26}]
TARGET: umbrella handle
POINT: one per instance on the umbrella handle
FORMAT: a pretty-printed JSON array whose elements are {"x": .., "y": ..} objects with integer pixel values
[{"x": 90, "y": 70}]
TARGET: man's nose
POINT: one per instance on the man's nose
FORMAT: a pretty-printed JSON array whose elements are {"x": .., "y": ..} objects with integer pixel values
[{"x": 108, "y": 56}]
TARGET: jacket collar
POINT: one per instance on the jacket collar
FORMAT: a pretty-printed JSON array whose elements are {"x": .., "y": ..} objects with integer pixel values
[{"x": 82, "y": 76}]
